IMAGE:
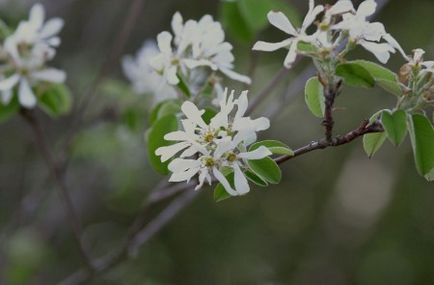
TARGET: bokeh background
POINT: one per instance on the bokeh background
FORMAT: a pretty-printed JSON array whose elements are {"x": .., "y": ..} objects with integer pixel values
[{"x": 337, "y": 218}]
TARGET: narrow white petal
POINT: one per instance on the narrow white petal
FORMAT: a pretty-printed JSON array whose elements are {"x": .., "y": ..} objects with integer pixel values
[
  {"x": 380, "y": 50},
  {"x": 6, "y": 96},
  {"x": 280, "y": 21},
  {"x": 179, "y": 164},
  {"x": 243, "y": 104},
  {"x": 341, "y": 7},
  {"x": 9, "y": 82},
  {"x": 291, "y": 56},
  {"x": 222, "y": 179},
  {"x": 258, "y": 153},
  {"x": 393, "y": 42},
  {"x": 51, "y": 28},
  {"x": 223, "y": 147},
  {"x": 177, "y": 24},
  {"x": 235, "y": 76},
  {"x": 164, "y": 40},
  {"x": 37, "y": 15},
  {"x": 25, "y": 94},
  {"x": 167, "y": 152},
  {"x": 176, "y": 136},
  {"x": 171, "y": 76},
  {"x": 240, "y": 181},
  {"x": 265, "y": 46},
  {"x": 50, "y": 75},
  {"x": 311, "y": 15},
  {"x": 193, "y": 113}
]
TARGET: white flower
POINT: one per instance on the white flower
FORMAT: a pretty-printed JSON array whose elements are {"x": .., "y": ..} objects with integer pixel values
[
  {"x": 27, "y": 50},
  {"x": 194, "y": 44},
  {"x": 369, "y": 35},
  {"x": 417, "y": 60},
  {"x": 280, "y": 21},
  {"x": 143, "y": 77},
  {"x": 209, "y": 148}
]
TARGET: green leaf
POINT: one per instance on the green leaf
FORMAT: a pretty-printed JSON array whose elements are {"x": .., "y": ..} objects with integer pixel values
[
  {"x": 164, "y": 108},
  {"x": 56, "y": 100},
  {"x": 306, "y": 47},
  {"x": 155, "y": 139},
  {"x": 384, "y": 77},
  {"x": 220, "y": 193},
  {"x": 255, "y": 179},
  {"x": 183, "y": 86},
  {"x": 288, "y": 9},
  {"x": 208, "y": 115},
  {"x": 235, "y": 23},
  {"x": 7, "y": 111},
  {"x": 395, "y": 125},
  {"x": 373, "y": 142},
  {"x": 267, "y": 169},
  {"x": 422, "y": 140},
  {"x": 355, "y": 75},
  {"x": 276, "y": 147},
  {"x": 314, "y": 97}
]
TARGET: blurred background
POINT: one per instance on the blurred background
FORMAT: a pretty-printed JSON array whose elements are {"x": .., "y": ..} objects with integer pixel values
[{"x": 338, "y": 217}]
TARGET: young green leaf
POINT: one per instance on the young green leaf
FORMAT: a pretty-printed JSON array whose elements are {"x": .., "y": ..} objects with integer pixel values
[
  {"x": 373, "y": 142},
  {"x": 255, "y": 179},
  {"x": 355, "y": 75},
  {"x": 164, "y": 108},
  {"x": 183, "y": 86},
  {"x": 267, "y": 169},
  {"x": 276, "y": 147},
  {"x": 385, "y": 78},
  {"x": 422, "y": 140},
  {"x": 56, "y": 100},
  {"x": 395, "y": 125},
  {"x": 208, "y": 115},
  {"x": 314, "y": 97},
  {"x": 155, "y": 139},
  {"x": 220, "y": 193}
]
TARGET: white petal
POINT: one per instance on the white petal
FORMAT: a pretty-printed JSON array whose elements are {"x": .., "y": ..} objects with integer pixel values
[
  {"x": 171, "y": 75},
  {"x": 192, "y": 63},
  {"x": 178, "y": 164},
  {"x": 311, "y": 15},
  {"x": 223, "y": 147},
  {"x": 177, "y": 24},
  {"x": 381, "y": 51},
  {"x": 204, "y": 175},
  {"x": 167, "y": 152},
  {"x": 6, "y": 96},
  {"x": 9, "y": 83},
  {"x": 193, "y": 113},
  {"x": 366, "y": 8},
  {"x": 240, "y": 181},
  {"x": 243, "y": 104},
  {"x": 25, "y": 94},
  {"x": 280, "y": 21},
  {"x": 51, "y": 28},
  {"x": 341, "y": 7},
  {"x": 37, "y": 15},
  {"x": 265, "y": 46},
  {"x": 50, "y": 75},
  {"x": 177, "y": 136},
  {"x": 393, "y": 42},
  {"x": 184, "y": 176},
  {"x": 235, "y": 76},
  {"x": 164, "y": 40},
  {"x": 291, "y": 56},
  {"x": 258, "y": 153},
  {"x": 374, "y": 31},
  {"x": 222, "y": 179}
]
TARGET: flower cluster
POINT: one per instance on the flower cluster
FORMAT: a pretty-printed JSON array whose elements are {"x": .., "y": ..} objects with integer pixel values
[
  {"x": 211, "y": 149},
  {"x": 143, "y": 77},
  {"x": 340, "y": 24},
  {"x": 194, "y": 49},
  {"x": 25, "y": 54}
]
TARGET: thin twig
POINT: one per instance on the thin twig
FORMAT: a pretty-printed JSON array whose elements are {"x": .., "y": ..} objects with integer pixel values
[
  {"x": 54, "y": 169},
  {"x": 363, "y": 129}
]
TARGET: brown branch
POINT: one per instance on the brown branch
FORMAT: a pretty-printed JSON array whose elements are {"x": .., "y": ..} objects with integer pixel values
[
  {"x": 363, "y": 129},
  {"x": 56, "y": 174}
]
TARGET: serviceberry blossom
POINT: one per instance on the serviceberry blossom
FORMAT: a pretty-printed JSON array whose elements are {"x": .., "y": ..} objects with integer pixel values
[
  {"x": 27, "y": 51},
  {"x": 280, "y": 21},
  {"x": 208, "y": 149},
  {"x": 194, "y": 44},
  {"x": 368, "y": 35},
  {"x": 417, "y": 61},
  {"x": 143, "y": 77}
]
